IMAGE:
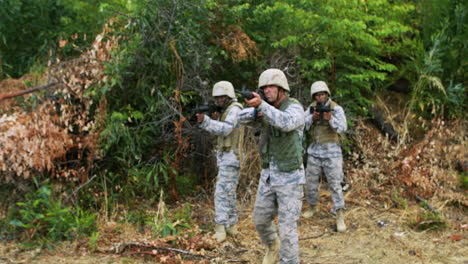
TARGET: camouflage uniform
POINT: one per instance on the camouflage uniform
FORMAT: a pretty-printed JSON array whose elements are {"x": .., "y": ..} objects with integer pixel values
[
  {"x": 279, "y": 192},
  {"x": 326, "y": 157},
  {"x": 228, "y": 168}
]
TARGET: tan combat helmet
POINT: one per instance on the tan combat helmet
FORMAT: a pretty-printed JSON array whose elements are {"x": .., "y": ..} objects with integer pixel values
[
  {"x": 319, "y": 86},
  {"x": 273, "y": 77},
  {"x": 224, "y": 88}
]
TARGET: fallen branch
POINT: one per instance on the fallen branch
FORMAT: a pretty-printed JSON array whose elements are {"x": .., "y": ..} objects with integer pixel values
[
  {"x": 169, "y": 249},
  {"x": 312, "y": 237},
  {"x": 426, "y": 204},
  {"x": 7, "y": 261},
  {"x": 7, "y": 96},
  {"x": 121, "y": 248}
]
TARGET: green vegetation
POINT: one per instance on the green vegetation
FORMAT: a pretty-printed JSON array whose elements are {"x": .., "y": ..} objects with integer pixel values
[
  {"x": 44, "y": 219},
  {"x": 30, "y": 30},
  {"x": 169, "y": 54},
  {"x": 428, "y": 220}
]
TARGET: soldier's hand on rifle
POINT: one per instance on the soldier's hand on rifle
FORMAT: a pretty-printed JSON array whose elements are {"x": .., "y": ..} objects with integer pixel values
[
  {"x": 316, "y": 116},
  {"x": 215, "y": 115},
  {"x": 255, "y": 101},
  {"x": 327, "y": 116},
  {"x": 200, "y": 117}
]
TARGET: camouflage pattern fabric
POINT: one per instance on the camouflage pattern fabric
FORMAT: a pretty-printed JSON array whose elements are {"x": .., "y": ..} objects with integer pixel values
[
  {"x": 338, "y": 124},
  {"x": 218, "y": 128},
  {"x": 291, "y": 119},
  {"x": 228, "y": 170},
  {"x": 279, "y": 193},
  {"x": 226, "y": 196},
  {"x": 333, "y": 170},
  {"x": 326, "y": 158},
  {"x": 286, "y": 202}
]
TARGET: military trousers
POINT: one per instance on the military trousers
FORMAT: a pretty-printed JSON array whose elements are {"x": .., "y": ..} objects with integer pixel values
[
  {"x": 285, "y": 202},
  {"x": 333, "y": 170},
  {"x": 225, "y": 198}
]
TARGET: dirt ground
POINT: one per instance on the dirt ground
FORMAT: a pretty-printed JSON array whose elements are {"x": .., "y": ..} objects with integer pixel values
[{"x": 375, "y": 235}]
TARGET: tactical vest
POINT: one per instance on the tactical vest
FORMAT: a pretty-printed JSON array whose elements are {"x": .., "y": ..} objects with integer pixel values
[
  {"x": 231, "y": 141},
  {"x": 284, "y": 147},
  {"x": 322, "y": 132}
]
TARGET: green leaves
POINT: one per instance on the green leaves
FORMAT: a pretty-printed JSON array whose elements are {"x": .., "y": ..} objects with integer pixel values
[
  {"x": 47, "y": 220},
  {"x": 348, "y": 44},
  {"x": 24, "y": 43}
]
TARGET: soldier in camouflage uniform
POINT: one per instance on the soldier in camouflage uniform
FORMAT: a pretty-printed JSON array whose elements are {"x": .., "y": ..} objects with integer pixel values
[
  {"x": 228, "y": 132},
  {"x": 280, "y": 189},
  {"x": 324, "y": 152}
]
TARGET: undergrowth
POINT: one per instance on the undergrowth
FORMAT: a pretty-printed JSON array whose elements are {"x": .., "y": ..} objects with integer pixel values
[{"x": 42, "y": 218}]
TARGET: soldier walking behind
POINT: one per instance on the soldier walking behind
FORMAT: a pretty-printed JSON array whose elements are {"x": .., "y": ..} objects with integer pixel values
[
  {"x": 323, "y": 125},
  {"x": 228, "y": 133}
]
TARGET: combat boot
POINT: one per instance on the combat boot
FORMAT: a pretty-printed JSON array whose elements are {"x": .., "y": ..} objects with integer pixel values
[
  {"x": 340, "y": 224},
  {"x": 232, "y": 230},
  {"x": 271, "y": 256},
  {"x": 310, "y": 212},
  {"x": 220, "y": 233}
]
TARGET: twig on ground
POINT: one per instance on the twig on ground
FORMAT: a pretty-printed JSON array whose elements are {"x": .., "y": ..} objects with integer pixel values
[
  {"x": 122, "y": 246},
  {"x": 312, "y": 237},
  {"x": 426, "y": 204}
]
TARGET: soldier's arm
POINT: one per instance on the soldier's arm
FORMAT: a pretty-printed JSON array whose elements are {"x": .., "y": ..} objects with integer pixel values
[
  {"x": 289, "y": 120},
  {"x": 219, "y": 128},
  {"x": 308, "y": 119},
  {"x": 338, "y": 120},
  {"x": 247, "y": 116}
]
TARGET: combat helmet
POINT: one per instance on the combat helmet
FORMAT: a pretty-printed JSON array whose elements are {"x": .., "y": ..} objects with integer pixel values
[
  {"x": 319, "y": 86},
  {"x": 273, "y": 77},
  {"x": 224, "y": 88}
]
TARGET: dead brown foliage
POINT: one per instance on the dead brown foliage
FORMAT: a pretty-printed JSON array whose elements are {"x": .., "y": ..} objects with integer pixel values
[
  {"x": 425, "y": 167},
  {"x": 60, "y": 136},
  {"x": 236, "y": 43}
]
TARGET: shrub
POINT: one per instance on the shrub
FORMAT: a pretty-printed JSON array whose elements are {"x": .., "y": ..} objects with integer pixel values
[{"x": 43, "y": 218}]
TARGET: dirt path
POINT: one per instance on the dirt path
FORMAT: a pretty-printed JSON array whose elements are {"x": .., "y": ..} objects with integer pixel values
[{"x": 374, "y": 236}]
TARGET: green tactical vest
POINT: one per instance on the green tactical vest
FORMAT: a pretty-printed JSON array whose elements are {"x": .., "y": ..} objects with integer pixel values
[
  {"x": 322, "y": 133},
  {"x": 231, "y": 141},
  {"x": 284, "y": 147}
]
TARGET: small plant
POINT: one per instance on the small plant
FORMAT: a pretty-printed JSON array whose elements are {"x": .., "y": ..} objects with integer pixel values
[
  {"x": 399, "y": 202},
  {"x": 93, "y": 241},
  {"x": 43, "y": 218},
  {"x": 164, "y": 223},
  {"x": 464, "y": 180},
  {"x": 428, "y": 220}
]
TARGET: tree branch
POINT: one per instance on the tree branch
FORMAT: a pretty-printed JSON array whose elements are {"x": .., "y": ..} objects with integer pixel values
[{"x": 7, "y": 96}]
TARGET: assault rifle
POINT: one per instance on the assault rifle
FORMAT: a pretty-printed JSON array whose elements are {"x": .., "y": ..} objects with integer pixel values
[
  {"x": 321, "y": 108},
  {"x": 206, "y": 108},
  {"x": 249, "y": 95}
]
